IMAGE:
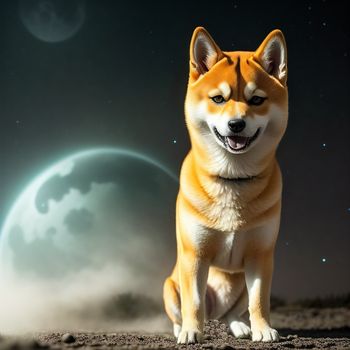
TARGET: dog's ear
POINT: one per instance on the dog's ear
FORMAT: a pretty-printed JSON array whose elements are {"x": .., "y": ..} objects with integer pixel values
[
  {"x": 272, "y": 55},
  {"x": 204, "y": 52}
]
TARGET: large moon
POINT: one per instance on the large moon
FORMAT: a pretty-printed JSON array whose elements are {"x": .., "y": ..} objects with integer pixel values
[
  {"x": 101, "y": 218},
  {"x": 52, "y": 20}
]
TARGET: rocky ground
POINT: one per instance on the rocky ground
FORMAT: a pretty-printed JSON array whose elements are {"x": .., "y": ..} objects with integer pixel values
[{"x": 300, "y": 328}]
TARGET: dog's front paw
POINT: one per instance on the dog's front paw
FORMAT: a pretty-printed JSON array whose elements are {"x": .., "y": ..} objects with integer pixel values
[
  {"x": 265, "y": 334},
  {"x": 190, "y": 336}
]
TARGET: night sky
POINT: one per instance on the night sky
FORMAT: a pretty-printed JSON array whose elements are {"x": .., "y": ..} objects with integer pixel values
[{"x": 121, "y": 81}]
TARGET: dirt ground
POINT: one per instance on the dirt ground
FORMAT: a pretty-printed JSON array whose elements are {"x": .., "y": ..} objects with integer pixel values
[{"x": 299, "y": 329}]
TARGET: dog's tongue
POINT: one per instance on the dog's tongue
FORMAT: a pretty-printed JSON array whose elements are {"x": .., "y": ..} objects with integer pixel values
[{"x": 237, "y": 142}]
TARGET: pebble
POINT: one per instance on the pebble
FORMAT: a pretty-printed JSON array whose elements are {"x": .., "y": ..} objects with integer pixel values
[
  {"x": 223, "y": 335},
  {"x": 315, "y": 313},
  {"x": 68, "y": 338}
]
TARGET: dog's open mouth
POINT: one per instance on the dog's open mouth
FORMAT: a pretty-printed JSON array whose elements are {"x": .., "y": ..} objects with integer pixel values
[{"x": 237, "y": 143}]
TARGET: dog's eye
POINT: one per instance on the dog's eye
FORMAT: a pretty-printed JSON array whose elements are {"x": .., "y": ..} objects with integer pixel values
[
  {"x": 256, "y": 100},
  {"x": 218, "y": 99}
]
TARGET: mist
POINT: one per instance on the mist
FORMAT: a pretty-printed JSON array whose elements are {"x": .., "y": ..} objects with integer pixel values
[{"x": 91, "y": 300}]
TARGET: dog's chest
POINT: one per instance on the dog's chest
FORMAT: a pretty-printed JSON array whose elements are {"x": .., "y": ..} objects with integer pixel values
[
  {"x": 226, "y": 212},
  {"x": 230, "y": 251}
]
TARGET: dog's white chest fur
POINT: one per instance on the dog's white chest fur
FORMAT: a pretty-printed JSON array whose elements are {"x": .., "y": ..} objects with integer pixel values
[
  {"x": 225, "y": 210},
  {"x": 233, "y": 246},
  {"x": 229, "y": 256},
  {"x": 230, "y": 246}
]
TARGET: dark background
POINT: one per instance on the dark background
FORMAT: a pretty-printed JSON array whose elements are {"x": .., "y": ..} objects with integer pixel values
[{"x": 121, "y": 81}]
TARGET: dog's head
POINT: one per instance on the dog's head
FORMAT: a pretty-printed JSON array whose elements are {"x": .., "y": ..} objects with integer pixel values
[{"x": 238, "y": 99}]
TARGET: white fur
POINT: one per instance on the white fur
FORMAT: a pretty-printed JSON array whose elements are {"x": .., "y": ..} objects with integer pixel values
[
  {"x": 251, "y": 90},
  {"x": 266, "y": 236},
  {"x": 214, "y": 92},
  {"x": 196, "y": 296},
  {"x": 220, "y": 120},
  {"x": 223, "y": 89},
  {"x": 231, "y": 253},
  {"x": 267, "y": 334},
  {"x": 224, "y": 295},
  {"x": 233, "y": 245},
  {"x": 196, "y": 230},
  {"x": 176, "y": 311},
  {"x": 229, "y": 257},
  {"x": 197, "y": 234},
  {"x": 246, "y": 164},
  {"x": 225, "y": 211},
  {"x": 240, "y": 329},
  {"x": 275, "y": 44},
  {"x": 211, "y": 56},
  {"x": 226, "y": 89},
  {"x": 232, "y": 241},
  {"x": 227, "y": 295},
  {"x": 176, "y": 329}
]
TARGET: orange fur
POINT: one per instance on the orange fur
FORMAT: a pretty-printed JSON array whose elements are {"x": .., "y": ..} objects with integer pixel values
[{"x": 229, "y": 202}]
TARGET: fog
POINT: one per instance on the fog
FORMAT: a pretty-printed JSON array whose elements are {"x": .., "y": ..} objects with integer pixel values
[{"x": 91, "y": 300}]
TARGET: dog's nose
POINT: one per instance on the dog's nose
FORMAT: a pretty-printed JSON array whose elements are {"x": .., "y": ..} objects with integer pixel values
[{"x": 236, "y": 125}]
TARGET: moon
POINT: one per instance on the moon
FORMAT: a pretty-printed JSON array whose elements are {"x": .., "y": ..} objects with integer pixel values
[
  {"x": 105, "y": 213},
  {"x": 103, "y": 200},
  {"x": 52, "y": 21}
]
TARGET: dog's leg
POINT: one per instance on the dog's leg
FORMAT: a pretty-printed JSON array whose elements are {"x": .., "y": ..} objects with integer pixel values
[
  {"x": 193, "y": 273},
  {"x": 258, "y": 271},
  {"x": 171, "y": 296},
  {"x": 238, "y": 317},
  {"x": 231, "y": 301}
]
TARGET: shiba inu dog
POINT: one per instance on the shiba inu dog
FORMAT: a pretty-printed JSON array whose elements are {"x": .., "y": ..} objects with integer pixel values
[{"x": 229, "y": 202}]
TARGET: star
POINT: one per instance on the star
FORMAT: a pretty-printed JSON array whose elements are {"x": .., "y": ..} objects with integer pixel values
[
  {"x": 324, "y": 145},
  {"x": 323, "y": 260},
  {"x": 174, "y": 141}
]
